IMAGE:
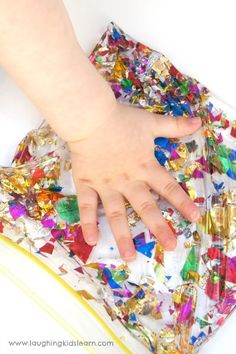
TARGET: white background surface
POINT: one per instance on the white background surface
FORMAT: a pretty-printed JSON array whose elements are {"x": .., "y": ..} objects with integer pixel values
[{"x": 199, "y": 38}]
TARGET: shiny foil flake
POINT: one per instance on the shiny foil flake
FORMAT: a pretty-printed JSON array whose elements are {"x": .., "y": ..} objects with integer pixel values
[{"x": 172, "y": 302}]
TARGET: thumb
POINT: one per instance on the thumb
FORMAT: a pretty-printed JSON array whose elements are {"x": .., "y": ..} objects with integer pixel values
[{"x": 174, "y": 127}]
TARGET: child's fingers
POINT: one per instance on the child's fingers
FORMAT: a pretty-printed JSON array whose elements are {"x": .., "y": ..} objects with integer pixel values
[
  {"x": 167, "y": 186},
  {"x": 114, "y": 206},
  {"x": 88, "y": 201},
  {"x": 174, "y": 127},
  {"x": 145, "y": 205}
]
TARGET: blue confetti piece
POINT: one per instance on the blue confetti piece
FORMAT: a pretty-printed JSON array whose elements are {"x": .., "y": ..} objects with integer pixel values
[
  {"x": 165, "y": 144},
  {"x": 162, "y": 142},
  {"x": 111, "y": 282},
  {"x": 146, "y": 249},
  {"x": 186, "y": 108},
  {"x": 132, "y": 317},
  {"x": 210, "y": 106},
  {"x": 193, "y": 340},
  {"x": 127, "y": 89},
  {"x": 218, "y": 186},
  {"x": 140, "y": 294},
  {"x": 202, "y": 335},
  {"x": 177, "y": 111},
  {"x": 231, "y": 174},
  {"x": 153, "y": 349},
  {"x": 198, "y": 340},
  {"x": 232, "y": 155},
  {"x": 55, "y": 188},
  {"x": 115, "y": 34},
  {"x": 171, "y": 100},
  {"x": 161, "y": 157},
  {"x": 139, "y": 240}
]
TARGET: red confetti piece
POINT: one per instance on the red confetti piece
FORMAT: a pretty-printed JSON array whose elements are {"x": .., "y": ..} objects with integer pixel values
[
  {"x": 233, "y": 130},
  {"x": 47, "y": 248},
  {"x": 38, "y": 173},
  {"x": 79, "y": 247},
  {"x": 199, "y": 200},
  {"x": 213, "y": 290}
]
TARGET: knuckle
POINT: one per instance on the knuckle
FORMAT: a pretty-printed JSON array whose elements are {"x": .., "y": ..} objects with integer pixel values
[
  {"x": 162, "y": 227},
  {"x": 147, "y": 205},
  {"x": 184, "y": 204},
  {"x": 170, "y": 187},
  {"x": 83, "y": 207},
  {"x": 86, "y": 225},
  {"x": 84, "y": 181},
  {"x": 115, "y": 214},
  {"x": 145, "y": 165},
  {"x": 121, "y": 238},
  {"x": 106, "y": 180}
]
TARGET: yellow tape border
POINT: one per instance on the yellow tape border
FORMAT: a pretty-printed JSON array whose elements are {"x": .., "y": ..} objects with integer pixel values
[
  {"x": 66, "y": 286},
  {"x": 46, "y": 307}
]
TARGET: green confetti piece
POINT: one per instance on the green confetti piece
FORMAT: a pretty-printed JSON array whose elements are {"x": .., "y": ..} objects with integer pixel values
[
  {"x": 203, "y": 323},
  {"x": 98, "y": 59},
  {"x": 225, "y": 162},
  {"x": 68, "y": 210},
  {"x": 191, "y": 264},
  {"x": 215, "y": 278},
  {"x": 183, "y": 178},
  {"x": 223, "y": 150},
  {"x": 220, "y": 164},
  {"x": 119, "y": 277},
  {"x": 99, "y": 275},
  {"x": 126, "y": 82},
  {"x": 184, "y": 88},
  {"x": 210, "y": 142}
]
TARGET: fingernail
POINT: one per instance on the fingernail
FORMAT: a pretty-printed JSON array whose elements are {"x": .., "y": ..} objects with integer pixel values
[
  {"x": 129, "y": 254},
  {"x": 195, "y": 215},
  {"x": 91, "y": 240},
  {"x": 195, "y": 120},
  {"x": 170, "y": 243}
]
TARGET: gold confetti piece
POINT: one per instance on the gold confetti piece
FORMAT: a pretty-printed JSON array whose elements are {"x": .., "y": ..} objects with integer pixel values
[
  {"x": 16, "y": 183},
  {"x": 220, "y": 220},
  {"x": 85, "y": 294},
  {"x": 119, "y": 68}
]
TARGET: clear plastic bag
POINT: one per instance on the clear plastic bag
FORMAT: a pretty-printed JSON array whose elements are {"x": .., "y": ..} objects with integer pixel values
[{"x": 171, "y": 301}]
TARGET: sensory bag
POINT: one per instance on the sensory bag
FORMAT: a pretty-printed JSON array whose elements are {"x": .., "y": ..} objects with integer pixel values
[{"x": 170, "y": 301}]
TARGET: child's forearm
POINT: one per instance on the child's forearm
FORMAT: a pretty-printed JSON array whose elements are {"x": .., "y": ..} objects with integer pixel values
[{"x": 39, "y": 49}]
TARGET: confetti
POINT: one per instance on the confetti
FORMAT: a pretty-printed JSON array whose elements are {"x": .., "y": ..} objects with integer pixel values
[
  {"x": 156, "y": 297},
  {"x": 16, "y": 210},
  {"x": 68, "y": 210},
  {"x": 190, "y": 266},
  {"x": 143, "y": 247}
]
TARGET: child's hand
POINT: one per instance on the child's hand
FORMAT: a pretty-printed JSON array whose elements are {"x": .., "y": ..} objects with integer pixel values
[
  {"x": 116, "y": 161},
  {"x": 113, "y": 145}
]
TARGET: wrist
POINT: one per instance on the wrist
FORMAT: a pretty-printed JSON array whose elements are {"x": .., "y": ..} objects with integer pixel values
[
  {"x": 95, "y": 116},
  {"x": 91, "y": 103}
]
